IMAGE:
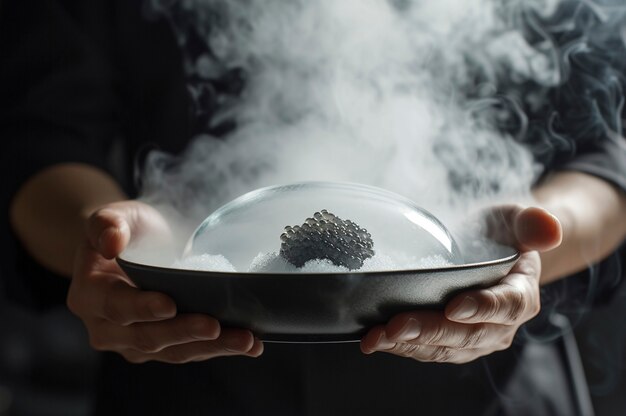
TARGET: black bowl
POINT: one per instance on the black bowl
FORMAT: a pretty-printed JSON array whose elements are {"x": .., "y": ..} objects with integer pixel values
[{"x": 314, "y": 307}]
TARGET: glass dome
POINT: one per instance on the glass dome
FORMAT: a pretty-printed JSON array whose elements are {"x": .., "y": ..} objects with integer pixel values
[{"x": 319, "y": 227}]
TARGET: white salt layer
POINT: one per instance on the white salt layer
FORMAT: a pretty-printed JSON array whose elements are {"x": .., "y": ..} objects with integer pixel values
[
  {"x": 205, "y": 262},
  {"x": 430, "y": 262},
  {"x": 275, "y": 263},
  {"x": 271, "y": 263}
]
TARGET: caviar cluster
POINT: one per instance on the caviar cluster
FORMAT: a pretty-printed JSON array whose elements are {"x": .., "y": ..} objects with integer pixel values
[{"x": 326, "y": 236}]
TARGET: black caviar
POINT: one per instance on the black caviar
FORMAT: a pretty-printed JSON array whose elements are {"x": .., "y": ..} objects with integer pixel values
[{"x": 326, "y": 236}]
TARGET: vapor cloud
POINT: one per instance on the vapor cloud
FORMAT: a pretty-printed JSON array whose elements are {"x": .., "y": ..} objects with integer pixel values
[{"x": 453, "y": 104}]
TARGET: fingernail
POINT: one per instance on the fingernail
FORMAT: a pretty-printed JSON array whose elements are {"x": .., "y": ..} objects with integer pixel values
[
  {"x": 466, "y": 309},
  {"x": 382, "y": 343},
  {"x": 201, "y": 329},
  {"x": 259, "y": 351},
  {"x": 102, "y": 238},
  {"x": 411, "y": 330},
  {"x": 159, "y": 311},
  {"x": 236, "y": 344}
]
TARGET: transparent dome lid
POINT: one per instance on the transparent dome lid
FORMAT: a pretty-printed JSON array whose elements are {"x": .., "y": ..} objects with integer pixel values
[{"x": 319, "y": 227}]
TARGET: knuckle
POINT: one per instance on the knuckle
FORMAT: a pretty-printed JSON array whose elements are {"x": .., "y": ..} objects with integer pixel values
[
  {"x": 405, "y": 350},
  {"x": 99, "y": 214},
  {"x": 201, "y": 358},
  {"x": 464, "y": 360},
  {"x": 77, "y": 301},
  {"x": 97, "y": 222},
  {"x": 474, "y": 337},
  {"x": 184, "y": 332},
  {"x": 97, "y": 342},
  {"x": 492, "y": 304},
  {"x": 72, "y": 302},
  {"x": 506, "y": 342},
  {"x": 528, "y": 266},
  {"x": 176, "y": 356},
  {"x": 144, "y": 342},
  {"x": 111, "y": 312},
  {"x": 102, "y": 216},
  {"x": 534, "y": 307},
  {"x": 517, "y": 305},
  {"x": 441, "y": 355},
  {"x": 436, "y": 335},
  {"x": 134, "y": 358}
]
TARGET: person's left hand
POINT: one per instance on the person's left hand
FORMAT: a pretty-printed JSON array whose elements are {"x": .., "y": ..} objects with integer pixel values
[{"x": 477, "y": 323}]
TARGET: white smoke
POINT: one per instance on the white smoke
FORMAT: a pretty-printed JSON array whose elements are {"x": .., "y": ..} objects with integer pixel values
[{"x": 366, "y": 91}]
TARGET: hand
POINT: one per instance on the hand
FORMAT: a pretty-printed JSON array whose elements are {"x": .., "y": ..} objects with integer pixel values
[
  {"x": 478, "y": 322},
  {"x": 141, "y": 326}
]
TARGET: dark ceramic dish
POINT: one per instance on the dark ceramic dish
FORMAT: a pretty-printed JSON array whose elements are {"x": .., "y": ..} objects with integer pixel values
[{"x": 315, "y": 307}]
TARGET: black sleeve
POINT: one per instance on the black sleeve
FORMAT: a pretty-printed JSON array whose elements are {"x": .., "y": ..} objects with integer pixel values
[
  {"x": 56, "y": 89},
  {"x": 57, "y": 104},
  {"x": 605, "y": 159},
  {"x": 578, "y": 126},
  {"x": 600, "y": 282}
]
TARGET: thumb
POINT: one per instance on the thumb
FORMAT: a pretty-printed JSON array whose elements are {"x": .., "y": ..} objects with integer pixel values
[
  {"x": 537, "y": 229},
  {"x": 109, "y": 231},
  {"x": 111, "y": 228},
  {"x": 526, "y": 229}
]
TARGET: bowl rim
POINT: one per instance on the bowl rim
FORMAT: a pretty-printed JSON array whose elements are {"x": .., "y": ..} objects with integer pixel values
[{"x": 219, "y": 274}]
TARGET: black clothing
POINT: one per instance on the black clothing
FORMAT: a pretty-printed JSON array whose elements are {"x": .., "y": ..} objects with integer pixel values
[{"x": 80, "y": 79}]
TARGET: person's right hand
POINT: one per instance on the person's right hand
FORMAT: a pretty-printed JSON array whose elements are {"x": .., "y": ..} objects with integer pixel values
[{"x": 141, "y": 326}]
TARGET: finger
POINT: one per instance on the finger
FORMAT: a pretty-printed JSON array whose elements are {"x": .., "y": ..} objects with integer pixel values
[
  {"x": 526, "y": 229},
  {"x": 122, "y": 304},
  {"x": 91, "y": 280},
  {"x": 376, "y": 340},
  {"x": 232, "y": 342},
  {"x": 537, "y": 229},
  {"x": 432, "y": 328},
  {"x": 88, "y": 263},
  {"x": 436, "y": 354},
  {"x": 110, "y": 228},
  {"x": 257, "y": 348},
  {"x": 154, "y": 336},
  {"x": 513, "y": 301},
  {"x": 108, "y": 231}
]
